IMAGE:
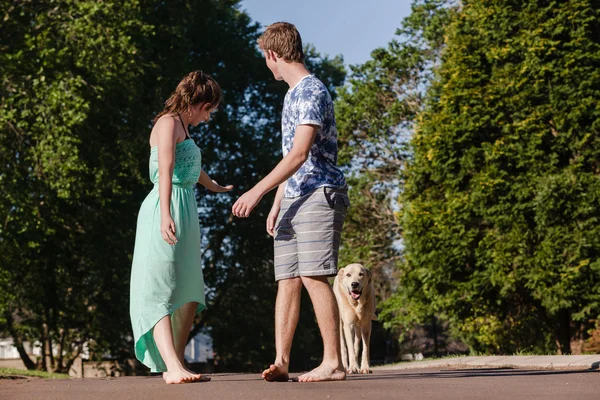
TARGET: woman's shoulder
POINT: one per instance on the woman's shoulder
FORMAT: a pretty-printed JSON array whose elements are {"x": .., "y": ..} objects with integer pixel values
[
  {"x": 166, "y": 121},
  {"x": 165, "y": 127}
]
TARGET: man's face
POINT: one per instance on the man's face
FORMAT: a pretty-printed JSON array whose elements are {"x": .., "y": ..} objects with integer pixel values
[{"x": 273, "y": 64}]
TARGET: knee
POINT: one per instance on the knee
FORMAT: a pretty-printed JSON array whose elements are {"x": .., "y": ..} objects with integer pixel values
[
  {"x": 315, "y": 282},
  {"x": 291, "y": 285}
]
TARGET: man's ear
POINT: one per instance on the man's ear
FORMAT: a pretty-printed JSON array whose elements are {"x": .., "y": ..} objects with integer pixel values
[{"x": 272, "y": 55}]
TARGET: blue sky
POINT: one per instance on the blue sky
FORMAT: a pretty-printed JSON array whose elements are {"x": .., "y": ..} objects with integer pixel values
[{"x": 351, "y": 28}]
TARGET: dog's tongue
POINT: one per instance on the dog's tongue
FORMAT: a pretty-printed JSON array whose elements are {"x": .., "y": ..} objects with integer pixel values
[{"x": 355, "y": 296}]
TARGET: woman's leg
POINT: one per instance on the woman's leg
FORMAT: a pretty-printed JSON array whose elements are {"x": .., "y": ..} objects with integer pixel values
[
  {"x": 163, "y": 337},
  {"x": 182, "y": 321}
]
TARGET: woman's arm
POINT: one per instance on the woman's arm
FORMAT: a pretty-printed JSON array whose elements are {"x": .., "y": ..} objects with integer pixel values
[
  {"x": 165, "y": 132},
  {"x": 212, "y": 185}
]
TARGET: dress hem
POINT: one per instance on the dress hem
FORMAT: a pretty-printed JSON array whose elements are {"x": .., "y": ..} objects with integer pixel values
[{"x": 153, "y": 367}]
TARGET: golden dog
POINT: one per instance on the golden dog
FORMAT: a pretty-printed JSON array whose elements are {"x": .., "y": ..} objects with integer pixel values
[{"x": 356, "y": 301}]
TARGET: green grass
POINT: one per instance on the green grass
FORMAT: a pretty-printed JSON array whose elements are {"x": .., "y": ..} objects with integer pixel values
[{"x": 7, "y": 373}]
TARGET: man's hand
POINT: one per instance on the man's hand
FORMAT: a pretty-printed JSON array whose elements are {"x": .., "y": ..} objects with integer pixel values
[
  {"x": 246, "y": 203},
  {"x": 271, "y": 220}
]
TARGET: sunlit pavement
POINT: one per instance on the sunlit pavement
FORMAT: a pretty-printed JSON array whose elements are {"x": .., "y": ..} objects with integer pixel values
[{"x": 441, "y": 383}]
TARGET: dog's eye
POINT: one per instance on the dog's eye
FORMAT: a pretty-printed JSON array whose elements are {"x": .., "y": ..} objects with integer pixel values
[
  {"x": 361, "y": 274},
  {"x": 348, "y": 275}
]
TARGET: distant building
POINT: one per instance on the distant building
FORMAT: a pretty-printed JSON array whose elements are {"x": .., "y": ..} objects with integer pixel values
[
  {"x": 9, "y": 352},
  {"x": 199, "y": 349},
  {"x": 199, "y": 352}
]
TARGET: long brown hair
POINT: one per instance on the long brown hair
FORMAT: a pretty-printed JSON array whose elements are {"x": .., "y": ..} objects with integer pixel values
[{"x": 196, "y": 87}]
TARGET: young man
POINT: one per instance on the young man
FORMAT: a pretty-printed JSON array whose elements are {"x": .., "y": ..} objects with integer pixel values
[{"x": 309, "y": 209}]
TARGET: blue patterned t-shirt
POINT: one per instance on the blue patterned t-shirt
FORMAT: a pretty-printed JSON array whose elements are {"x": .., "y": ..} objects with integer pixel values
[{"x": 309, "y": 103}]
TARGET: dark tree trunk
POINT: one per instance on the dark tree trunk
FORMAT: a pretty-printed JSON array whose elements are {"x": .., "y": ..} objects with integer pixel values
[
  {"x": 47, "y": 348},
  {"x": 434, "y": 333},
  {"x": 29, "y": 364},
  {"x": 563, "y": 333},
  {"x": 577, "y": 341}
]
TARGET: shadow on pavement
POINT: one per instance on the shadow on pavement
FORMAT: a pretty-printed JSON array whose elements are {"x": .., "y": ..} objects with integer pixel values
[{"x": 470, "y": 373}]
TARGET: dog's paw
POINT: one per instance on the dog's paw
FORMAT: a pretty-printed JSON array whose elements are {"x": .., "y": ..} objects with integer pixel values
[
  {"x": 352, "y": 370},
  {"x": 366, "y": 370}
]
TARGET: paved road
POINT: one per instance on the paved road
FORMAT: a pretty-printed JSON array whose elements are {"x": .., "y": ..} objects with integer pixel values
[{"x": 432, "y": 383}]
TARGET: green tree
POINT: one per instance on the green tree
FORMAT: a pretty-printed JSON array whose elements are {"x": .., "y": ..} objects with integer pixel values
[
  {"x": 69, "y": 164},
  {"x": 376, "y": 112},
  {"x": 81, "y": 83},
  {"x": 501, "y": 201}
]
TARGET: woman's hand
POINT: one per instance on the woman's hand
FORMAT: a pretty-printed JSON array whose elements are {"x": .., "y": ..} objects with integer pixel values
[
  {"x": 211, "y": 185},
  {"x": 271, "y": 220},
  {"x": 218, "y": 188},
  {"x": 167, "y": 229}
]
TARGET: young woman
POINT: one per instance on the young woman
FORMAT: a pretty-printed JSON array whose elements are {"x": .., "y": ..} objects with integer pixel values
[{"x": 167, "y": 285}]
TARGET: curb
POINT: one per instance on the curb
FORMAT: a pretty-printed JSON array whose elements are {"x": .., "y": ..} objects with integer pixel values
[{"x": 549, "y": 362}]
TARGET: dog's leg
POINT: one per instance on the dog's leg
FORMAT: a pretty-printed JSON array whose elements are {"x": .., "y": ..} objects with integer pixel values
[
  {"x": 366, "y": 341},
  {"x": 357, "y": 339},
  {"x": 349, "y": 331},
  {"x": 343, "y": 348}
]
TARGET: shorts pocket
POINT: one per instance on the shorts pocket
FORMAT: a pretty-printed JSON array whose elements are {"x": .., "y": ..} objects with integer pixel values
[{"x": 336, "y": 198}]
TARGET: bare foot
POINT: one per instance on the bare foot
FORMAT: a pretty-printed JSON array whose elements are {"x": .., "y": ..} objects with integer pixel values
[
  {"x": 276, "y": 373},
  {"x": 181, "y": 375},
  {"x": 202, "y": 379},
  {"x": 323, "y": 373}
]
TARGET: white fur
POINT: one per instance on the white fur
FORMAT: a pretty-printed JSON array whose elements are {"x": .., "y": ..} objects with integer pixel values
[{"x": 355, "y": 316}]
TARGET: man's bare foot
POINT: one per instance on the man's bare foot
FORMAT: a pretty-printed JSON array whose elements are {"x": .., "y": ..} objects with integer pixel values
[
  {"x": 276, "y": 373},
  {"x": 182, "y": 375},
  {"x": 323, "y": 373}
]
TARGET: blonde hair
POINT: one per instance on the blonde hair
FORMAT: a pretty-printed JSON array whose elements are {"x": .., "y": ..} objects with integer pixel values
[
  {"x": 196, "y": 87},
  {"x": 283, "y": 39}
]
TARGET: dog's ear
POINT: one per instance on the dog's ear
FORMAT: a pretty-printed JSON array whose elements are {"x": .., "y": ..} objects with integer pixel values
[
  {"x": 340, "y": 272},
  {"x": 370, "y": 275}
]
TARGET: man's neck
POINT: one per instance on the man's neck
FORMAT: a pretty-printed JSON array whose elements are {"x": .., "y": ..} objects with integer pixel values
[{"x": 293, "y": 73}]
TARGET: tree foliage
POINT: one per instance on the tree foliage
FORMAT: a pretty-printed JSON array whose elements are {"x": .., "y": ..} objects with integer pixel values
[
  {"x": 501, "y": 201},
  {"x": 81, "y": 81},
  {"x": 376, "y": 112}
]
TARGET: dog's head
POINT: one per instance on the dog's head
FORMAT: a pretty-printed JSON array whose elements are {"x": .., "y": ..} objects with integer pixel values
[{"x": 354, "y": 278}]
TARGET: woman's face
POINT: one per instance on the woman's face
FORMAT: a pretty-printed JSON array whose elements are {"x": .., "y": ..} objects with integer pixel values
[{"x": 201, "y": 113}]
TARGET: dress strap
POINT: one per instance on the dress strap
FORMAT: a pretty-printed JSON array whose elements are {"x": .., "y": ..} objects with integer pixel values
[{"x": 187, "y": 134}]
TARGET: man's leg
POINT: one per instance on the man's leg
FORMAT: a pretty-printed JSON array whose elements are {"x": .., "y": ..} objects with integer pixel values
[
  {"x": 287, "y": 312},
  {"x": 327, "y": 313},
  {"x": 287, "y": 304}
]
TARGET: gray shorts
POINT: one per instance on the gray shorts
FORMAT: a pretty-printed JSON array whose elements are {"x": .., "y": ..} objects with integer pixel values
[{"x": 308, "y": 232}]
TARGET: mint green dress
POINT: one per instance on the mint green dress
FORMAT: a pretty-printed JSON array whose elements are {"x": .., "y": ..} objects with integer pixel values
[{"x": 165, "y": 277}]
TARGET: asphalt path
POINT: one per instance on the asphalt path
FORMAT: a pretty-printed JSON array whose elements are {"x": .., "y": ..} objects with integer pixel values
[{"x": 430, "y": 383}]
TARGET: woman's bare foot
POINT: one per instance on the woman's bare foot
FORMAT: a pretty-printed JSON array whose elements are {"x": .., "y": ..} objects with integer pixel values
[
  {"x": 323, "y": 373},
  {"x": 276, "y": 373},
  {"x": 181, "y": 375}
]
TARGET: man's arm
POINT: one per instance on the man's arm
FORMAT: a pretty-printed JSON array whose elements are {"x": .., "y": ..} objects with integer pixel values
[
  {"x": 272, "y": 217},
  {"x": 303, "y": 140}
]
